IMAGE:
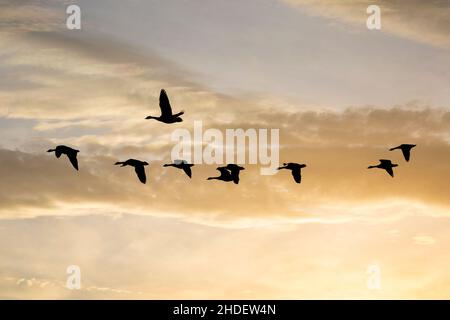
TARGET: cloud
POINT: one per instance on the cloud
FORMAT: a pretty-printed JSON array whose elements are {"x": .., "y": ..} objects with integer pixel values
[
  {"x": 94, "y": 93},
  {"x": 161, "y": 240},
  {"x": 51, "y": 288},
  {"x": 424, "y": 240},
  {"x": 337, "y": 146},
  {"x": 27, "y": 15},
  {"x": 408, "y": 19},
  {"x": 138, "y": 257}
]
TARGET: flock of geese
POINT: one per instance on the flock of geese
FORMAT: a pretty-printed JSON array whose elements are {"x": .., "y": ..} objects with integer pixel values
[
  {"x": 388, "y": 165},
  {"x": 228, "y": 173}
]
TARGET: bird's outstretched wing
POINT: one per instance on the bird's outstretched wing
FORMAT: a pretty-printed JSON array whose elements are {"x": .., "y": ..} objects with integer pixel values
[
  {"x": 140, "y": 171},
  {"x": 164, "y": 104},
  {"x": 73, "y": 159},
  {"x": 406, "y": 153},
  {"x": 297, "y": 175},
  {"x": 390, "y": 171},
  {"x": 187, "y": 170}
]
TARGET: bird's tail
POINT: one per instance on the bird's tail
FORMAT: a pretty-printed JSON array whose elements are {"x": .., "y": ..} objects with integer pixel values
[
  {"x": 150, "y": 117},
  {"x": 370, "y": 167},
  {"x": 168, "y": 165},
  {"x": 51, "y": 150},
  {"x": 211, "y": 178},
  {"x": 391, "y": 149}
]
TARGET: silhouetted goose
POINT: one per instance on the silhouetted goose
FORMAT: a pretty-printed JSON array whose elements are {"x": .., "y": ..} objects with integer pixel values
[
  {"x": 69, "y": 152},
  {"x": 234, "y": 170},
  {"x": 181, "y": 164},
  {"x": 138, "y": 167},
  {"x": 166, "y": 110},
  {"x": 225, "y": 175},
  {"x": 386, "y": 165},
  {"x": 406, "y": 150},
  {"x": 295, "y": 170}
]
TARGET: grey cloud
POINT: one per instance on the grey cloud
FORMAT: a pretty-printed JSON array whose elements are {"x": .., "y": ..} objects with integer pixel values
[{"x": 424, "y": 21}]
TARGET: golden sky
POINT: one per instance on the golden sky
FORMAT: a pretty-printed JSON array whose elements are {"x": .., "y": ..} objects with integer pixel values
[{"x": 340, "y": 94}]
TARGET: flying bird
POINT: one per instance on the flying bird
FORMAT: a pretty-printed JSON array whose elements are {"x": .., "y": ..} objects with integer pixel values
[
  {"x": 166, "y": 110},
  {"x": 69, "y": 152},
  {"x": 234, "y": 170},
  {"x": 406, "y": 150},
  {"x": 225, "y": 175},
  {"x": 138, "y": 167},
  {"x": 183, "y": 165},
  {"x": 295, "y": 168},
  {"x": 386, "y": 165}
]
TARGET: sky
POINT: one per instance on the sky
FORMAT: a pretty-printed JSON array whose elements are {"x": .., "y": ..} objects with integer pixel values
[{"x": 341, "y": 95}]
